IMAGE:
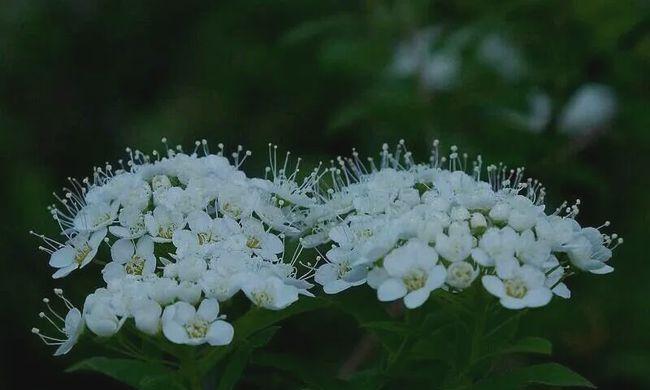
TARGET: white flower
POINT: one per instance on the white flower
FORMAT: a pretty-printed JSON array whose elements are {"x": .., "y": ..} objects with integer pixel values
[
  {"x": 162, "y": 290},
  {"x": 523, "y": 213},
  {"x": 131, "y": 260},
  {"x": 533, "y": 252},
  {"x": 259, "y": 241},
  {"x": 216, "y": 285},
  {"x": 190, "y": 268},
  {"x": 461, "y": 274},
  {"x": 95, "y": 216},
  {"x": 131, "y": 223},
  {"x": 495, "y": 244},
  {"x": 518, "y": 286},
  {"x": 270, "y": 293},
  {"x": 237, "y": 201},
  {"x": 136, "y": 195},
  {"x": 77, "y": 253},
  {"x": 591, "y": 107},
  {"x": 160, "y": 183},
  {"x": 339, "y": 273},
  {"x": 181, "y": 200},
  {"x": 183, "y": 324},
  {"x": 70, "y": 327},
  {"x": 556, "y": 231},
  {"x": 588, "y": 252},
  {"x": 101, "y": 314},
  {"x": 163, "y": 223},
  {"x": 371, "y": 238},
  {"x": 413, "y": 274},
  {"x": 188, "y": 292},
  {"x": 146, "y": 313},
  {"x": 478, "y": 223},
  {"x": 457, "y": 245}
]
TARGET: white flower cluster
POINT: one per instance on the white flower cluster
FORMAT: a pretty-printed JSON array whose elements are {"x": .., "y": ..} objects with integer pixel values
[
  {"x": 406, "y": 229},
  {"x": 183, "y": 232}
]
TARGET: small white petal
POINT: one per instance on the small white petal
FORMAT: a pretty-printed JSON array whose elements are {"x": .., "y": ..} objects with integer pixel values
[{"x": 391, "y": 290}]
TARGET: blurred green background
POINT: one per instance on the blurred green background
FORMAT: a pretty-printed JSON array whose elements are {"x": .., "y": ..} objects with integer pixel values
[{"x": 559, "y": 86}]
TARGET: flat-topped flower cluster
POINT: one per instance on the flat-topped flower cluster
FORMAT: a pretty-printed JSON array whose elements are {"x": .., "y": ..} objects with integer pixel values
[
  {"x": 406, "y": 229},
  {"x": 186, "y": 231}
]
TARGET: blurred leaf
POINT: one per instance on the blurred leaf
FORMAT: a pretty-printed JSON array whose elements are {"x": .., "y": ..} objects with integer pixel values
[
  {"x": 239, "y": 359},
  {"x": 536, "y": 345},
  {"x": 311, "y": 374},
  {"x": 551, "y": 374},
  {"x": 256, "y": 319},
  {"x": 389, "y": 326},
  {"x": 136, "y": 373}
]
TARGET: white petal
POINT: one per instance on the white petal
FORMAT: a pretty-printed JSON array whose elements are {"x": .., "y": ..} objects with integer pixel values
[
  {"x": 512, "y": 303},
  {"x": 493, "y": 285},
  {"x": 113, "y": 271},
  {"x": 208, "y": 309},
  {"x": 144, "y": 247},
  {"x": 437, "y": 277},
  {"x": 326, "y": 273},
  {"x": 183, "y": 312},
  {"x": 64, "y": 271},
  {"x": 605, "y": 269},
  {"x": 220, "y": 333},
  {"x": 562, "y": 291},
  {"x": 62, "y": 257},
  {"x": 416, "y": 298},
  {"x": 336, "y": 286},
  {"x": 175, "y": 332},
  {"x": 271, "y": 243},
  {"x": 506, "y": 267},
  {"x": 482, "y": 258},
  {"x": 97, "y": 238},
  {"x": 391, "y": 290},
  {"x": 538, "y": 297},
  {"x": 122, "y": 250}
]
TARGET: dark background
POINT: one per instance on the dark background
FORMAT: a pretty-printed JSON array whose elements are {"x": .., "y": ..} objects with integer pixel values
[{"x": 80, "y": 80}]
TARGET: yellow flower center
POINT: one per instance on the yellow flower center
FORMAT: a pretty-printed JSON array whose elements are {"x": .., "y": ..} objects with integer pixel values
[
  {"x": 196, "y": 328},
  {"x": 261, "y": 298},
  {"x": 81, "y": 253},
  {"x": 253, "y": 243},
  {"x": 135, "y": 266},
  {"x": 515, "y": 288},
  {"x": 415, "y": 280}
]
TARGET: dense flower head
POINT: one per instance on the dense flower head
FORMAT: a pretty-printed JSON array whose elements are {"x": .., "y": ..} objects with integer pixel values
[
  {"x": 177, "y": 234},
  {"x": 406, "y": 229},
  {"x": 181, "y": 232}
]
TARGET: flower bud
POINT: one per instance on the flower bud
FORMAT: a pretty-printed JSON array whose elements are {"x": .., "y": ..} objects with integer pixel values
[{"x": 478, "y": 223}]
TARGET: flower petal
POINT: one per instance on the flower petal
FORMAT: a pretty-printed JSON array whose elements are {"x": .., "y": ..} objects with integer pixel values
[
  {"x": 220, "y": 333},
  {"x": 208, "y": 309},
  {"x": 493, "y": 285},
  {"x": 390, "y": 290},
  {"x": 416, "y": 298}
]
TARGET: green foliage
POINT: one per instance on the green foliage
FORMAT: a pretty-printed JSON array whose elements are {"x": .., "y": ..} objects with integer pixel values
[
  {"x": 551, "y": 374},
  {"x": 141, "y": 375}
]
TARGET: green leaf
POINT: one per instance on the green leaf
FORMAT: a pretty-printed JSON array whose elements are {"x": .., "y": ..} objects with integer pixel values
[
  {"x": 536, "y": 345},
  {"x": 389, "y": 326},
  {"x": 239, "y": 359},
  {"x": 362, "y": 304},
  {"x": 551, "y": 374},
  {"x": 136, "y": 373},
  {"x": 253, "y": 321},
  {"x": 310, "y": 373}
]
